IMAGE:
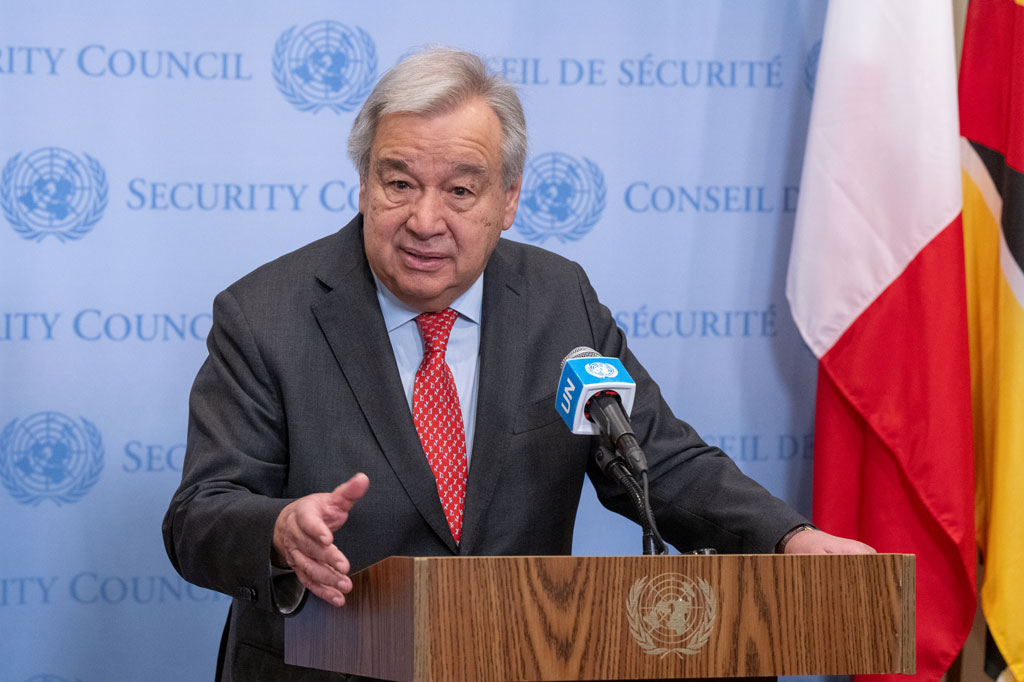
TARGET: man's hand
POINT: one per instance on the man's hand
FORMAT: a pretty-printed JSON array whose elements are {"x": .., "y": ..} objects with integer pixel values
[
  {"x": 304, "y": 539},
  {"x": 813, "y": 541}
]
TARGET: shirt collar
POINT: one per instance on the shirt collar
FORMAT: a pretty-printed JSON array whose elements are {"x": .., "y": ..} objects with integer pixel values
[{"x": 396, "y": 313}]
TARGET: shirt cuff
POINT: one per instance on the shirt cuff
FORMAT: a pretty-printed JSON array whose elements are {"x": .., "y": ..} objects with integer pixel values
[{"x": 286, "y": 590}]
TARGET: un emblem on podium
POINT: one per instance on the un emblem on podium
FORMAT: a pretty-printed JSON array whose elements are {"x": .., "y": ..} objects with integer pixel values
[
  {"x": 53, "y": 192},
  {"x": 49, "y": 456},
  {"x": 325, "y": 65},
  {"x": 671, "y": 614},
  {"x": 561, "y": 198}
]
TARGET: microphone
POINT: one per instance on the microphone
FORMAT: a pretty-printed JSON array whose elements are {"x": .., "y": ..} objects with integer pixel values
[{"x": 595, "y": 396}]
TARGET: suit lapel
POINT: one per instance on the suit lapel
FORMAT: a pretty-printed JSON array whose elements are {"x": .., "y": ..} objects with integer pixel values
[
  {"x": 502, "y": 358},
  {"x": 349, "y": 317}
]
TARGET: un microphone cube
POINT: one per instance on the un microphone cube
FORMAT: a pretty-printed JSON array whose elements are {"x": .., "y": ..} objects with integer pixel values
[{"x": 581, "y": 379}]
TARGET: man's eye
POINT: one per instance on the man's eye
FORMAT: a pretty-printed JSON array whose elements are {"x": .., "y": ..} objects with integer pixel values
[
  {"x": 461, "y": 192},
  {"x": 400, "y": 184}
]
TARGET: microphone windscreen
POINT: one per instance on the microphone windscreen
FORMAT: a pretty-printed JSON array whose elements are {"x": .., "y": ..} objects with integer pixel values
[{"x": 579, "y": 352}]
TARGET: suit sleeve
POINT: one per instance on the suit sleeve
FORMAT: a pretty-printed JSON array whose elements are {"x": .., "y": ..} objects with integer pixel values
[
  {"x": 699, "y": 496},
  {"x": 218, "y": 530}
]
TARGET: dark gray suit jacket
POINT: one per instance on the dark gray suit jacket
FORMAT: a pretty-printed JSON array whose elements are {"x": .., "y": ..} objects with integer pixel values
[{"x": 301, "y": 391}]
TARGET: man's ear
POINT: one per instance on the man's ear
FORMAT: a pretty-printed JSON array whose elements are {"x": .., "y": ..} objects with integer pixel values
[{"x": 511, "y": 203}]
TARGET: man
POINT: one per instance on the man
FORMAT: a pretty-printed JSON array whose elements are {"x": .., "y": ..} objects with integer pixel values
[{"x": 317, "y": 375}]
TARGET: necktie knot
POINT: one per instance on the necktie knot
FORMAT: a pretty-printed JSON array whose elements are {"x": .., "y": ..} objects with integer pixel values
[{"x": 435, "y": 329}]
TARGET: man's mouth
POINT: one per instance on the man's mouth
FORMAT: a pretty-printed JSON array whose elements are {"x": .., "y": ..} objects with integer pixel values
[{"x": 419, "y": 259}]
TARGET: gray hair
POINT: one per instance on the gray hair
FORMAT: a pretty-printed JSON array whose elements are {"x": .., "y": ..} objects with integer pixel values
[{"x": 437, "y": 81}]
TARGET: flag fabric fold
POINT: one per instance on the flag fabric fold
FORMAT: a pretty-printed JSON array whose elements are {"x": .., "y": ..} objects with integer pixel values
[
  {"x": 992, "y": 125},
  {"x": 877, "y": 287}
]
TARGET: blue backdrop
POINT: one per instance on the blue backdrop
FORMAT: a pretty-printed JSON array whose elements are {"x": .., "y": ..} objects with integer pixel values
[{"x": 152, "y": 153}]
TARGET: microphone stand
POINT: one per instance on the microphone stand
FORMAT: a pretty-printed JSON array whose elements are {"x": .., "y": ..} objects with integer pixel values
[{"x": 614, "y": 466}]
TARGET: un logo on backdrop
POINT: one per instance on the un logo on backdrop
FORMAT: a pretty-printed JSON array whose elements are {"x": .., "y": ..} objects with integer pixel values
[
  {"x": 49, "y": 456},
  {"x": 561, "y": 197},
  {"x": 53, "y": 192},
  {"x": 325, "y": 65}
]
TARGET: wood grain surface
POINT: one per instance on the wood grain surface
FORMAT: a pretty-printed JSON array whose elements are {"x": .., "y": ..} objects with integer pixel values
[{"x": 499, "y": 619}]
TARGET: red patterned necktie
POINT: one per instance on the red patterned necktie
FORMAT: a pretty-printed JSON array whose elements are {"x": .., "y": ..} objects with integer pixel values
[{"x": 438, "y": 416}]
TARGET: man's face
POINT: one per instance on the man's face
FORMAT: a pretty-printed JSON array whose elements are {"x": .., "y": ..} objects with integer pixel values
[{"x": 433, "y": 202}]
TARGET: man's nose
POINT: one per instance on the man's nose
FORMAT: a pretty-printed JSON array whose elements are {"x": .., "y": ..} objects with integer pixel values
[{"x": 426, "y": 217}]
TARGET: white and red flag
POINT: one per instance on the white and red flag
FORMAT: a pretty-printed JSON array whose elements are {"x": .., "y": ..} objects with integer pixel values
[{"x": 877, "y": 288}]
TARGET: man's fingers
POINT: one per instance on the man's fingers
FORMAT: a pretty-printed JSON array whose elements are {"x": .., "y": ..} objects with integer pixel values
[
  {"x": 341, "y": 500},
  {"x": 310, "y": 520},
  {"x": 328, "y": 594},
  {"x": 815, "y": 541},
  {"x": 321, "y": 579},
  {"x": 301, "y": 527},
  {"x": 331, "y": 591},
  {"x": 348, "y": 493},
  {"x": 326, "y": 553},
  {"x": 853, "y": 547},
  {"x": 315, "y": 572},
  {"x": 330, "y": 556}
]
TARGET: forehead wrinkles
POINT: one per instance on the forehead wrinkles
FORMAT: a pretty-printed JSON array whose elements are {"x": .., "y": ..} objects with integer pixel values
[{"x": 460, "y": 169}]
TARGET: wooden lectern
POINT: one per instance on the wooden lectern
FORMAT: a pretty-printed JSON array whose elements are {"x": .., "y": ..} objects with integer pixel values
[{"x": 499, "y": 619}]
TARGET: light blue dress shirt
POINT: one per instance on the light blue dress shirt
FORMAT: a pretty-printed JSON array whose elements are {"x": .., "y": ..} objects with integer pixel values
[{"x": 462, "y": 354}]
